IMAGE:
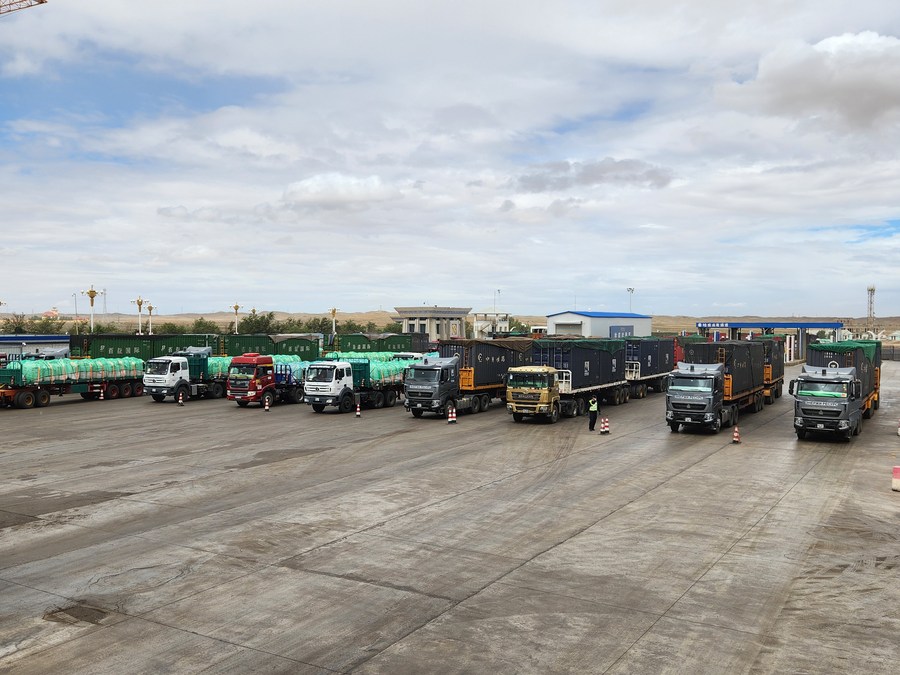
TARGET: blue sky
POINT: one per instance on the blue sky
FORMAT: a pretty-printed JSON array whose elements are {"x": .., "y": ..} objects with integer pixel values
[{"x": 299, "y": 156}]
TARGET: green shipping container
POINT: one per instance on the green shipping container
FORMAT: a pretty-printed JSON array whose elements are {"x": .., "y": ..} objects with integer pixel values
[
  {"x": 306, "y": 348},
  {"x": 235, "y": 345},
  {"x": 356, "y": 342}
]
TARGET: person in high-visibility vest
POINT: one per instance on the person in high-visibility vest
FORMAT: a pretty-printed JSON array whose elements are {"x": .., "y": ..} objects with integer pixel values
[{"x": 593, "y": 410}]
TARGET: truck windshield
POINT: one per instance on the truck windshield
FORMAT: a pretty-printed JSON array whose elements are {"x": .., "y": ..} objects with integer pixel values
[
  {"x": 422, "y": 374},
  {"x": 241, "y": 371},
  {"x": 320, "y": 374},
  {"x": 528, "y": 380},
  {"x": 825, "y": 389},
  {"x": 157, "y": 367},
  {"x": 703, "y": 384}
]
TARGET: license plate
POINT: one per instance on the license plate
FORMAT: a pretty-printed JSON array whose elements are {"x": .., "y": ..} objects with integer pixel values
[
  {"x": 820, "y": 426},
  {"x": 418, "y": 405},
  {"x": 688, "y": 419},
  {"x": 318, "y": 399}
]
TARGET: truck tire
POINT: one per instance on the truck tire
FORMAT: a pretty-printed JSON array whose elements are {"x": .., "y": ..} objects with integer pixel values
[
  {"x": 125, "y": 390},
  {"x": 137, "y": 389},
  {"x": 801, "y": 433},
  {"x": 112, "y": 391},
  {"x": 416, "y": 412},
  {"x": 485, "y": 401},
  {"x": 390, "y": 398},
  {"x": 159, "y": 398},
  {"x": 378, "y": 400},
  {"x": 580, "y": 407},
  {"x": 717, "y": 425},
  {"x": 476, "y": 404},
  {"x": 318, "y": 407},
  {"x": 267, "y": 400},
  {"x": 87, "y": 396},
  {"x": 857, "y": 430},
  {"x": 182, "y": 392},
  {"x": 216, "y": 390},
  {"x": 518, "y": 417},
  {"x": 553, "y": 417},
  {"x": 346, "y": 405},
  {"x": 41, "y": 398},
  {"x": 867, "y": 413},
  {"x": 24, "y": 399},
  {"x": 242, "y": 404},
  {"x": 674, "y": 426}
]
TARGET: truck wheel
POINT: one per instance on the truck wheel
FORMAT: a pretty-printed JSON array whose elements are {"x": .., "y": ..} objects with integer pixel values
[
  {"x": 867, "y": 413},
  {"x": 125, "y": 390},
  {"x": 318, "y": 407},
  {"x": 476, "y": 404},
  {"x": 112, "y": 391},
  {"x": 857, "y": 430},
  {"x": 242, "y": 404},
  {"x": 485, "y": 401},
  {"x": 41, "y": 398},
  {"x": 801, "y": 433},
  {"x": 390, "y": 398},
  {"x": 378, "y": 400},
  {"x": 24, "y": 399},
  {"x": 216, "y": 390},
  {"x": 182, "y": 392},
  {"x": 553, "y": 417},
  {"x": 416, "y": 412},
  {"x": 674, "y": 426},
  {"x": 137, "y": 389},
  {"x": 717, "y": 425},
  {"x": 267, "y": 400},
  {"x": 86, "y": 395},
  {"x": 580, "y": 407},
  {"x": 877, "y": 403},
  {"x": 518, "y": 417},
  {"x": 346, "y": 404},
  {"x": 159, "y": 398}
]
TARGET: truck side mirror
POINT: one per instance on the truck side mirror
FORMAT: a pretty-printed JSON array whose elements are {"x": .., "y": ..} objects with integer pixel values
[
  {"x": 856, "y": 389},
  {"x": 791, "y": 387}
]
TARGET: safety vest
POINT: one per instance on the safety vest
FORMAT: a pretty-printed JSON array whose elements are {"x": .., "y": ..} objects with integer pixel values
[{"x": 594, "y": 405}]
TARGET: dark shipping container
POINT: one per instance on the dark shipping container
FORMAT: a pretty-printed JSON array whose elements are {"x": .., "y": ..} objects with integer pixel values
[
  {"x": 744, "y": 360},
  {"x": 489, "y": 359}
]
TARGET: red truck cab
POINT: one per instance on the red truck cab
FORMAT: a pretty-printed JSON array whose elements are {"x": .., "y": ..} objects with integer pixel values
[{"x": 250, "y": 376}]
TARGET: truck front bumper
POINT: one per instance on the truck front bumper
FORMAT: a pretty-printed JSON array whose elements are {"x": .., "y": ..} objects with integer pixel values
[
  {"x": 320, "y": 400},
  {"x": 151, "y": 390},
  {"x": 810, "y": 424},
  {"x": 694, "y": 417},
  {"x": 421, "y": 405},
  {"x": 533, "y": 409}
]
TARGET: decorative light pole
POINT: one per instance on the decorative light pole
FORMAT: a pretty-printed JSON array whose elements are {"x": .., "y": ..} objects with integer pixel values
[
  {"x": 91, "y": 293},
  {"x": 235, "y": 307},
  {"x": 334, "y": 320},
  {"x": 630, "y": 295},
  {"x": 75, "y": 323},
  {"x": 139, "y": 301},
  {"x": 150, "y": 309}
]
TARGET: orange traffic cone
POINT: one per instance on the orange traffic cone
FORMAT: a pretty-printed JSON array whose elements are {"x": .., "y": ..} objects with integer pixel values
[
  {"x": 736, "y": 436},
  {"x": 101, "y": 393},
  {"x": 604, "y": 425},
  {"x": 357, "y": 410},
  {"x": 895, "y": 483},
  {"x": 180, "y": 398},
  {"x": 451, "y": 416},
  {"x": 266, "y": 400}
]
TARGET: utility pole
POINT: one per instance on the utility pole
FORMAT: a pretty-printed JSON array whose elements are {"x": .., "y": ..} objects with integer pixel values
[
  {"x": 235, "y": 307},
  {"x": 630, "y": 295}
]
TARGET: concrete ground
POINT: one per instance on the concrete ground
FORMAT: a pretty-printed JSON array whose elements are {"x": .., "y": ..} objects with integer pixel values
[{"x": 138, "y": 537}]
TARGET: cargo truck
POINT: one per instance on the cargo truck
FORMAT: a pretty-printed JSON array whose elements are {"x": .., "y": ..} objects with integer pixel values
[
  {"x": 347, "y": 382},
  {"x": 183, "y": 375},
  {"x": 648, "y": 362},
  {"x": 721, "y": 379},
  {"x": 258, "y": 378},
  {"x": 467, "y": 375},
  {"x": 565, "y": 373},
  {"x": 838, "y": 387},
  {"x": 31, "y": 383}
]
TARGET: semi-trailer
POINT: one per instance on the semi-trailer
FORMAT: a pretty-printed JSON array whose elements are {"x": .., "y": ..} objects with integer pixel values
[
  {"x": 717, "y": 382},
  {"x": 467, "y": 375},
  {"x": 773, "y": 370},
  {"x": 32, "y": 383},
  {"x": 190, "y": 373},
  {"x": 563, "y": 376},
  {"x": 838, "y": 387},
  {"x": 648, "y": 362},
  {"x": 265, "y": 379},
  {"x": 345, "y": 383}
]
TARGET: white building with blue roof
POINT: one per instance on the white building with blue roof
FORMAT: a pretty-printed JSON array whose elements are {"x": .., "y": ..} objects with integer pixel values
[{"x": 599, "y": 324}]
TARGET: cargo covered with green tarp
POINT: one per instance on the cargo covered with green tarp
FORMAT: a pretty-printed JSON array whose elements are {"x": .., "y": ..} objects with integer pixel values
[{"x": 62, "y": 371}]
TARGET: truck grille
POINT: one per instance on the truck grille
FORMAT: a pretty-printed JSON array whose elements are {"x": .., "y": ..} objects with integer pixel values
[
  {"x": 692, "y": 407},
  {"x": 821, "y": 413},
  {"x": 239, "y": 384},
  {"x": 520, "y": 396}
]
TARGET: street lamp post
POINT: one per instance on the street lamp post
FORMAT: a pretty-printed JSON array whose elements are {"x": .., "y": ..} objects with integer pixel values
[
  {"x": 91, "y": 293},
  {"x": 334, "y": 320},
  {"x": 630, "y": 295},
  {"x": 139, "y": 301},
  {"x": 150, "y": 309},
  {"x": 235, "y": 307},
  {"x": 75, "y": 323}
]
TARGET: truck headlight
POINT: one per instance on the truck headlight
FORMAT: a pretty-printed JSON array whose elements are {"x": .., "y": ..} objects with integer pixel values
[
  {"x": 843, "y": 425},
  {"x": 509, "y": 407},
  {"x": 670, "y": 415},
  {"x": 708, "y": 417}
]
